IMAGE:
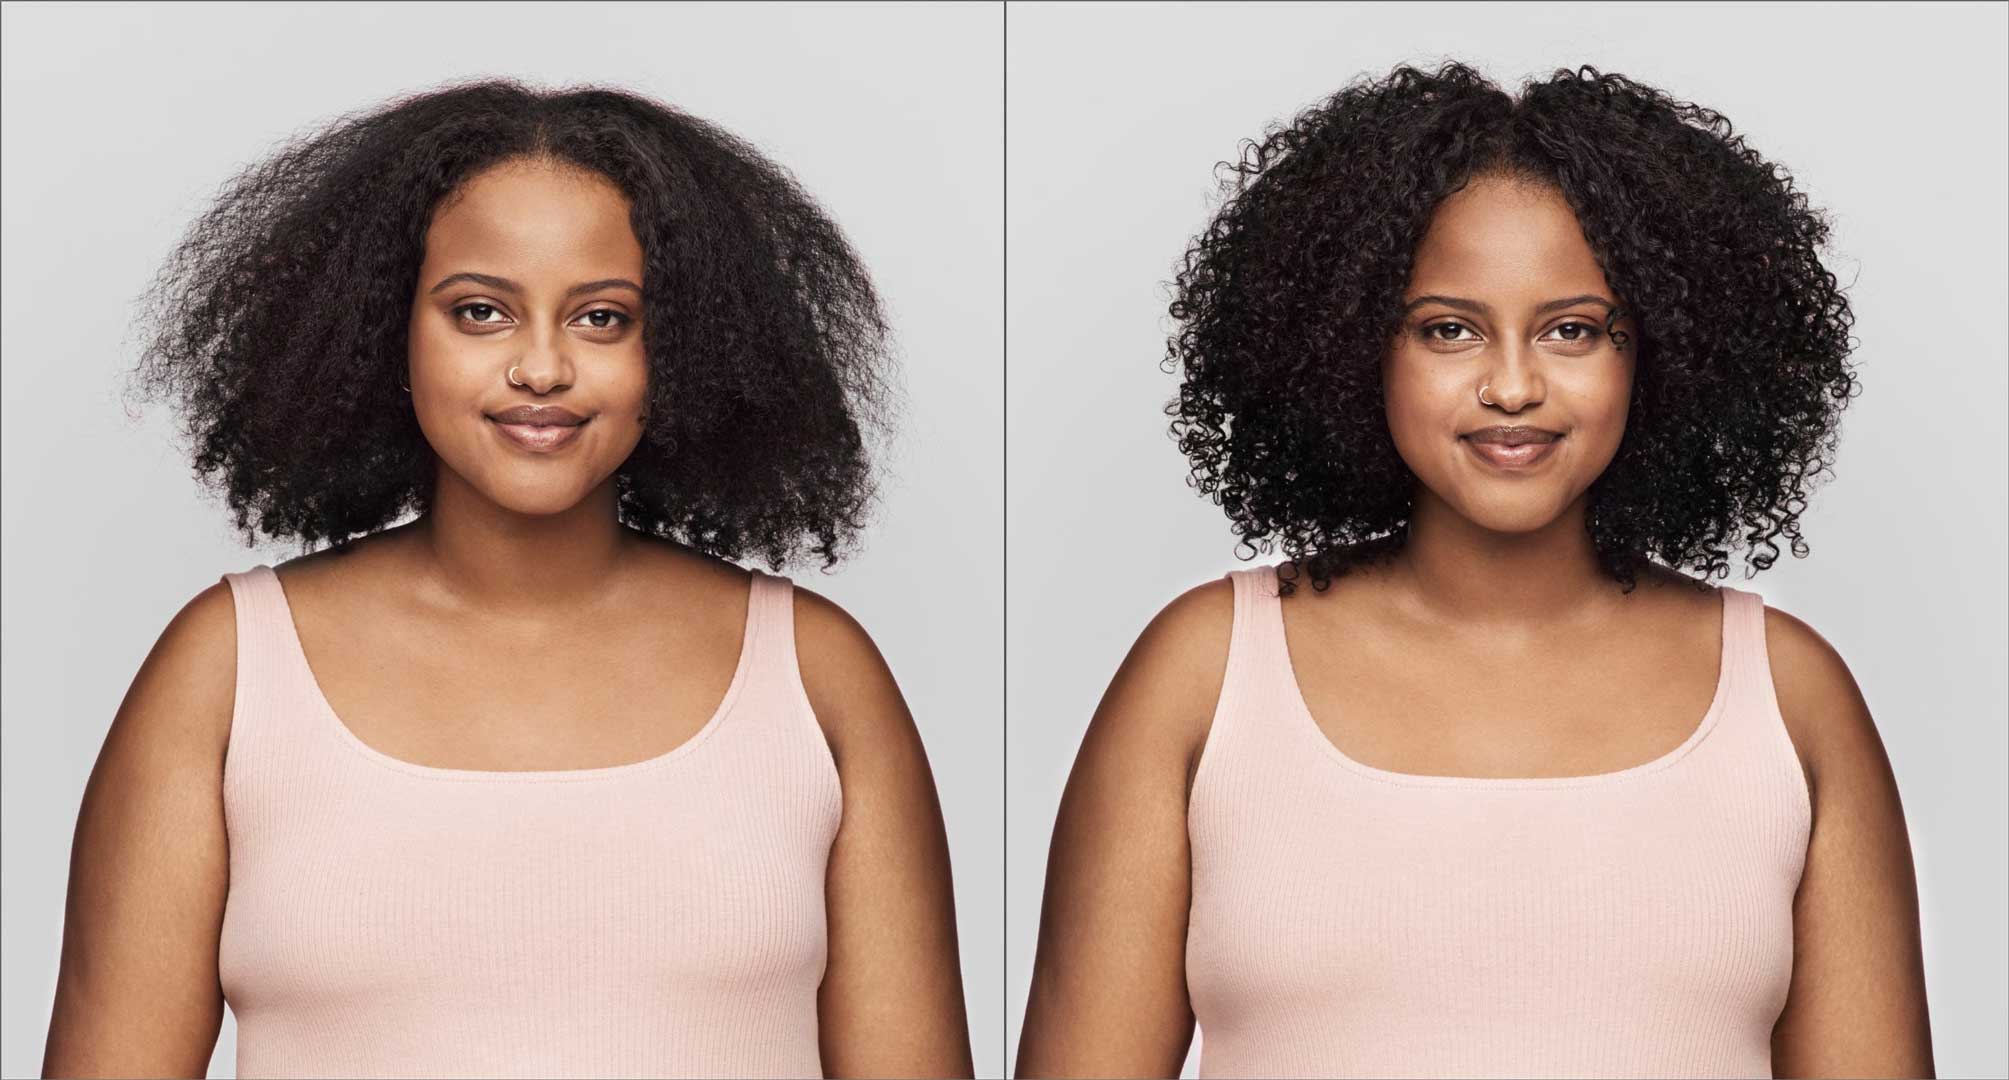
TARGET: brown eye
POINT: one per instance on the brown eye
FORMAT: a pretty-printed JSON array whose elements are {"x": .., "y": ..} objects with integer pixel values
[
  {"x": 1435, "y": 332},
  {"x": 1583, "y": 332},
  {"x": 612, "y": 314},
  {"x": 471, "y": 308}
]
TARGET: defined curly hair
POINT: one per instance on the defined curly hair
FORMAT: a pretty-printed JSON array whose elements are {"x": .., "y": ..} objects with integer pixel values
[
  {"x": 279, "y": 323},
  {"x": 1287, "y": 302}
]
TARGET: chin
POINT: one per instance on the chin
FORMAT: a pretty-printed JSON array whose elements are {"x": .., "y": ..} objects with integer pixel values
[
  {"x": 1512, "y": 515},
  {"x": 536, "y": 499}
]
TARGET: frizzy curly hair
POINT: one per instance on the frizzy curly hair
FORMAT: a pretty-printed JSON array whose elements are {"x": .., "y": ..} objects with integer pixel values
[
  {"x": 1287, "y": 302},
  {"x": 279, "y": 323}
]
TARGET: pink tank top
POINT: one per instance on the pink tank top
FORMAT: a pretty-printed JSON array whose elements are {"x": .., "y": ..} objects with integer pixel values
[
  {"x": 1351, "y": 921},
  {"x": 658, "y": 918}
]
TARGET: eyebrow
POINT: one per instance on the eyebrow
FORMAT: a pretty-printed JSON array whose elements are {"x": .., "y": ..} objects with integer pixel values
[
  {"x": 506, "y": 285},
  {"x": 1480, "y": 308}
]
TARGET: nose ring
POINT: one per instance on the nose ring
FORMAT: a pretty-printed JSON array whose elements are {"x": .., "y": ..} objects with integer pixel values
[
  {"x": 1482, "y": 394},
  {"x": 512, "y": 377}
]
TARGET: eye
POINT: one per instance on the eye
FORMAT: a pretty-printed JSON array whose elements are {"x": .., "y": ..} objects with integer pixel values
[
  {"x": 1435, "y": 332},
  {"x": 1584, "y": 332},
  {"x": 471, "y": 308},
  {"x": 477, "y": 314}
]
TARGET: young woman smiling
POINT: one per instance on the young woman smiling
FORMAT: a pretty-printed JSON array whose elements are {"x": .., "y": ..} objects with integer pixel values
[
  {"x": 1499, "y": 795},
  {"x": 539, "y": 782}
]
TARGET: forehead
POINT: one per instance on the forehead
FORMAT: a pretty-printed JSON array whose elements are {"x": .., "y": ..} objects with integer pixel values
[
  {"x": 530, "y": 214},
  {"x": 1505, "y": 240}
]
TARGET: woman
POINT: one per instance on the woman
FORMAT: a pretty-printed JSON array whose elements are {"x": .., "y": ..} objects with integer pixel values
[
  {"x": 1472, "y": 362},
  {"x": 538, "y": 782}
]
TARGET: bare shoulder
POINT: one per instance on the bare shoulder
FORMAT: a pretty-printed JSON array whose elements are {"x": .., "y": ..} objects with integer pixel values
[
  {"x": 174, "y": 721},
  {"x": 185, "y": 689},
  {"x": 1194, "y": 626},
  {"x": 823, "y": 627},
  {"x": 851, "y": 687},
  {"x": 1822, "y": 705},
  {"x": 1161, "y": 702}
]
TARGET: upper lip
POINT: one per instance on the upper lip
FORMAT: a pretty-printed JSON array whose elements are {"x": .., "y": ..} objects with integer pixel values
[
  {"x": 538, "y": 416},
  {"x": 1513, "y": 436}
]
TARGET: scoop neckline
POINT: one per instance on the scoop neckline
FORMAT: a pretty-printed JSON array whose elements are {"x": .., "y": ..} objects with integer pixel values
[
  {"x": 1306, "y": 722},
  {"x": 326, "y": 709}
]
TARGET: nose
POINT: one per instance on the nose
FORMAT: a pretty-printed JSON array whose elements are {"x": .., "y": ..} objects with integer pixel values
[
  {"x": 1516, "y": 382},
  {"x": 545, "y": 364}
]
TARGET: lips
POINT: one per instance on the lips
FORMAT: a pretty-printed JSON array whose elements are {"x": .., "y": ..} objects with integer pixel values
[
  {"x": 540, "y": 438},
  {"x": 538, "y": 416},
  {"x": 1511, "y": 452},
  {"x": 1513, "y": 436}
]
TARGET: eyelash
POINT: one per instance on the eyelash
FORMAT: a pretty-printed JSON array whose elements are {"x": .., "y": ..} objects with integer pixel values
[
  {"x": 625, "y": 319},
  {"x": 1592, "y": 332}
]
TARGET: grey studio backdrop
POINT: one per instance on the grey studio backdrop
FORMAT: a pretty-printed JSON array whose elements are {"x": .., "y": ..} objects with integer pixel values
[
  {"x": 1893, "y": 117},
  {"x": 120, "y": 120}
]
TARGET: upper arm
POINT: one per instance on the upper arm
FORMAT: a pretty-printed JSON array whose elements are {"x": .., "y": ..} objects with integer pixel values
[
  {"x": 138, "y": 992},
  {"x": 1857, "y": 1005},
  {"x": 892, "y": 996},
  {"x": 1109, "y": 981}
]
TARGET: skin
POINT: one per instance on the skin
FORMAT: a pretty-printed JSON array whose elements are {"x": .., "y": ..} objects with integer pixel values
[
  {"x": 418, "y": 637},
  {"x": 1491, "y": 645}
]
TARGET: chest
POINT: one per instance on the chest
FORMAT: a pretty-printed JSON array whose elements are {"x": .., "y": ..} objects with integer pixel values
[
  {"x": 1537, "y": 706},
  {"x": 1410, "y": 927},
  {"x": 681, "y": 888},
  {"x": 481, "y": 694}
]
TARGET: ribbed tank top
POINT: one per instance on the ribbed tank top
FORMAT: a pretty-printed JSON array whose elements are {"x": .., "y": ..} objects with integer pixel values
[
  {"x": 658, "y": 918},
  {"x": 1351, "y": 921}
]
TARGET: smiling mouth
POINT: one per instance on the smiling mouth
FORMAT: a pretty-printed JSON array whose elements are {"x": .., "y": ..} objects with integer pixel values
[
  {"x": 540, "y": 438},
  {"x": 1512, "y": 456}
]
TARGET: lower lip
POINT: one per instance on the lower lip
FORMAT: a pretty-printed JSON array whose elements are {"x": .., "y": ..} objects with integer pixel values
[
  {"x": 540, "y": 440},
  {"x": 1501, "y": 456}
]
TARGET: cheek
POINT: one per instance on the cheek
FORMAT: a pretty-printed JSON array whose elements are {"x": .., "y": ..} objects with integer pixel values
[
  {"x": 433, "y": 352},
  {"x": 1424, "y": 406},
  {"x": 426, "y": 329},
  {"x": 626, "y": 390},
  {"x": 1598, "y": 404}
]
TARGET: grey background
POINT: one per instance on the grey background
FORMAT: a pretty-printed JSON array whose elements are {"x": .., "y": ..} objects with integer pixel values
[
  {"x": 1892, "y": 117},
  {"x": 121, "y": 119}
]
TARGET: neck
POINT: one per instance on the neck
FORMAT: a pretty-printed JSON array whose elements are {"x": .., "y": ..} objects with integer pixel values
[
  {"x": 1463, "y": 574},
  {"x": 485, "y": 556}
]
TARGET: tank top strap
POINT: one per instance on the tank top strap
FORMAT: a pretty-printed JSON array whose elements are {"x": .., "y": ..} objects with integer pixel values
[
  {"x": 783, "y": 716},
  {"x": 270, "y": 670},
  {"x": 1258, "y": 619},
  {"x": 1744, "y": 635},
  {"x": 770, "y": 613},
  {"x": 1259, "y": 665},
  {"x": 1747, "y": 673},
  {"x": 1255, "y": 686},
  {"x": 260, "y": 607},
  {"x": 1753, "y": 704},
  {"x": 276, "y": 705}
]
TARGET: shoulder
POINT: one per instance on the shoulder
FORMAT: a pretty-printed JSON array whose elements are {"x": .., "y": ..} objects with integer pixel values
[
  {"x": 206, "y": 622},
  {"x": 832, "y": 647},
  {"x": 1820, "y": 701},
  {"x": 1161, "y": 701},
  {"x": 203, "y": 634},
  {"x": 850, "y": 686},
  {"x": 181, "y": 699},
  {"x": 823, "y": 625},
  {"x": 1184, "y": 648}
]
